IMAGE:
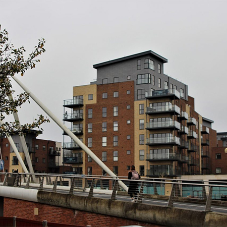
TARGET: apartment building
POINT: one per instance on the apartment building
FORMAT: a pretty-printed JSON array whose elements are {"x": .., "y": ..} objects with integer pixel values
[
  {"x": 136, "y": 114},
  {"x": 44, "y": 154}
]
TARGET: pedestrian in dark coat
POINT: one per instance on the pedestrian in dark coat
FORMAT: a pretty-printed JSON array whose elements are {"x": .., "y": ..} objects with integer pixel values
[{"x": 133, "y": 176}]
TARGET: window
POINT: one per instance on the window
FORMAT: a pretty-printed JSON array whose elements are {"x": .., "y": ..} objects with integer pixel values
[
  {"x": 103, "y": 172},
  {"x": 148, "y": 64},
  {"x": 141, "y": 124},
  {"x": 115, "y": 94},
  {"x": 90, "y": 97},
  {"x": 218, "y": 170},
  {"x": 143, "y": 78},
  {"x": 141, "y": 139},
  {"x": 115, "y": 156},
  {"x": 89, "y": 113},
  {"x": 115, "y": 170},
  {"x": 44, "y": 160},
  {"x": 128, "y": 92},
  {"x": 44, "y": 147},
  {"x": 153, "y": 80},
  {"x": 104, "y": 126},
  {"x": 105, "y": 81},
  {"x": 128, "y": 137},
  {"x": 128, "y": 107},
  {"x": 165, "y": 85},
  {"x": 140, "y": 94},
  {"x": 7, "y": 144},
  {"x": 115, "y": 111},
  {"x": 128, "y": 122},
  {"x": 36, "y": 146},
  {"x": 104, "y": 141},
  {"x": 89, "y": 170},
  {"x": 89, "y": 159},
  {"x": 141, "y": 108},
  {"x": 128, "y": 152},
  {"x": 181, "y": 92},
  {"x": 104, "y": 112},
  {"x": 170, "y": 86},
  {"x": 115, "y": 126},
  {"x": 116, "y": 79},
  {"x": 218, "y": 156},
  {"x": 15, "y": 160},
  {"x": 104, "y": 95},
  {"x": 104, "y": 156},
  {"x": 159, "y": 68},
  {"x": 175, "y": 87},
  {"x": 138, "y": 64},
  {"x": 159, "y": 82},
  {"x": 141, "y": 170},
  {"x": 89, "y": 142},
  {"x": 128, "y": 77},
  {"x": 141, "y": 155},
  {"x": 115, "y": 141},
  {"x": 7, "y": 158},
  {"x": 128, "y": 167},
  {"x": 36, "y": 159},
  {"x": 89, "y": 127}
]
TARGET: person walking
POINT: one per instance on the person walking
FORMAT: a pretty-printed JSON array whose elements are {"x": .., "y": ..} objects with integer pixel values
[{"x": 133, "y": 176}]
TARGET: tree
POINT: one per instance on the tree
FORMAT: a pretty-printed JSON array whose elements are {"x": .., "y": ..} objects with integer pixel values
[{"x": 12, "y": 62}]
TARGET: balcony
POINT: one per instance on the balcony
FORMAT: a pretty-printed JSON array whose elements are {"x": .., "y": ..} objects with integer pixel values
[
  {"x": 205, "y": 142},
  {"x": 53, "y": 165},
  {"x": 54, "y": 153},
  {"x": 73, "y": 117},
  {"x": 73, "y": 160},
  {"x": 204, "y": 153},
  {"x": 163, "y": 125},
  {"x": 184, "y": 144},
  {"x": 75, "y": 131},
  {"x": 71, "y": 103},
  {"x": 192, "y": 135},
  {"x": 183, "y": 116},
  {"x": 32, "y": 150},
  {"x": 193, "y": 162},
  {"x": 183, "y": 130},
  {"x": 172, "y": 109},
  {"x": 162, "y": 170},
  {"x": 71, "y": 146},
  {"x": 205, "y": 165},
  {"x": 191, "y": 121},
  {"x": 205, "y": 130},
  {"x": 158, "y": 94},
  {"x": 166, "y": 157},
  {"x": 193, "y": 148},
  {"x": 170, "y": 140}
]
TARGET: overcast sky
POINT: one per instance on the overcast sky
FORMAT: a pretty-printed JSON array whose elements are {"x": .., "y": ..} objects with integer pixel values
[{"x": 191, "y": 34}]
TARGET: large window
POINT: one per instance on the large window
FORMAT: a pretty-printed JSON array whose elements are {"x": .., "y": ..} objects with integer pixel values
[
  {"x": 115, "y": 170},
  {"x": 141, "y": 108},
  {"x": 140, "y": 94},
  {"x": 104, "y": 112},
  {"x": 115, "y": 156},
  {"x": 115, "y": 94},
  {"x": 89, "y": 142},
  {"x": 115, "y": 111},
  {"x": 89, "y": 127},
  {"x": 143, "y": 78},
  {"x": 104, "y": 95},
  {"x": 141, "y": 124},
  {"x": 141, "y": 157},
  {"x": 104, "y": 126},
  {"x": 104, "y": 156},
  {"x": 141, "y": 139},
  {"x": 149, "y": 64},
  {"x": 161, "y": 170},
  {"x": 218, "y": 170},
  {"x": 89, "y": 113},
  {"x": 104, "y": 141},
  {"x": 115, "y": 126},
  {"x": 115, "y": 141}
]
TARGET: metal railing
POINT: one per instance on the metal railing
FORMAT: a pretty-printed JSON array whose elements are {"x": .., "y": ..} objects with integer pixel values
[
  {"x": 167, "y": 108},
  {"x": 164, "y": 140},
  {"x": 73, "y": 102},
  {"x": 164, "y": 92},
  {"x": 163, "y": 124}
]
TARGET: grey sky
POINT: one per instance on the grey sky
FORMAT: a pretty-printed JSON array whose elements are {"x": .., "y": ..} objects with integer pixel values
[{"x": 192, "y": 35}]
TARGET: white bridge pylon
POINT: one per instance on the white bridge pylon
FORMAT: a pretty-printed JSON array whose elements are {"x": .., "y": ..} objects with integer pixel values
[{"x": 64, "y": 128}]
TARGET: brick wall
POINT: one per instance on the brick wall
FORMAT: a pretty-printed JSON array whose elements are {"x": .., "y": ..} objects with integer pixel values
[{"x": 25, "y": 210}]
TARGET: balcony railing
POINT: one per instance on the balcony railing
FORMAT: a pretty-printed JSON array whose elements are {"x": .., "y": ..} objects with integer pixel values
[
  {"x": 184, "y": 144},
  {"x": 73, "y": 160},
  {"x": 191, "y": 121},
  {"x": 193, "y": 148},
  {"x": 75, "y": 130},
  {"x": 164, "y": 124},
  {"x": 70, "y": 145},
  {"x": 162, "y": 109},
  {"x": 205, "y": 142},
  {"x": 193, "y": 162},
  {"x": 205, "y": 130},
  {"x": 54, "y": 153},
  {"x": 183, "y": 116},
  {"x": 204, "y": 153},
  {"x": 166, "y": 156},
  {"x": 73, "y": 102},
  {"x": 163, "y": 93},
  {"x": 72, "y": 116},
  {"x": 192, "y": 134},
  {"x": 53, "y": 164},
  {"x": 183, "y": 130},
  {"x": 165, "y": 140}
]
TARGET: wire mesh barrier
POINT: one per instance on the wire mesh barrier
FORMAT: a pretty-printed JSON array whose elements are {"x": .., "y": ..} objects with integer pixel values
[{"x": 152, "y": 191}]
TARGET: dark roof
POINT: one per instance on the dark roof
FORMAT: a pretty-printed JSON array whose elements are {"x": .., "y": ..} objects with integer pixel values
[
  {"x": 208, "y": 120},
  {"x": 221, "y": 133},
  {"x": 150, "y": 52}
]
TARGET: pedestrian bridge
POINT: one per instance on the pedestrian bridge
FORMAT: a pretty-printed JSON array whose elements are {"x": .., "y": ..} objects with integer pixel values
[{"x": 160, "y": 201}]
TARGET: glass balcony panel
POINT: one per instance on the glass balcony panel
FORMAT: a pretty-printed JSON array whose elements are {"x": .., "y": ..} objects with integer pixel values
[
  {"x": 69, "y": 102},
  {"x": 169, "y": 139},
  {"x": 164, "y": 124},
  {"x": 167, "y": 108},
  {"x": 165, "y": 92}
]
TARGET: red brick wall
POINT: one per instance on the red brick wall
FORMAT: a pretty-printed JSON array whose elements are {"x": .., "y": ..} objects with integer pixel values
[{"x": 25, "y": 210}]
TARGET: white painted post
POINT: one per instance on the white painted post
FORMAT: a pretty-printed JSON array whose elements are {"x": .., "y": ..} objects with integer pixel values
[{"x": 64, "y": 128}]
